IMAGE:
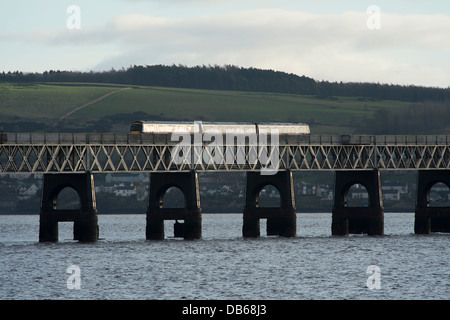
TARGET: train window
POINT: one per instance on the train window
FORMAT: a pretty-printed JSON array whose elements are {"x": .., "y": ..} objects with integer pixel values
[{"x": 136, "y": 127}]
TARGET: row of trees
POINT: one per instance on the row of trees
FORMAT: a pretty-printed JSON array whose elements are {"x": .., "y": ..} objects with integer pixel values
[
  {"x": 230, "y": 77},
  {"x": 416, "y": 118}
]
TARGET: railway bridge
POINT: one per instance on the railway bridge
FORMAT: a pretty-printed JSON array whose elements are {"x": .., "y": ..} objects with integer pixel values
[{"x": 71, "y": 160}]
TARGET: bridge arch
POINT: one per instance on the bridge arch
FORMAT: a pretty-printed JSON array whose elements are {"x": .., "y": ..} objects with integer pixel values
[
  {"x": 436, "y": 193},
  {"x": 429, "y": 217},
  {"x": 66, "y": 196},
  {"x": 427, "y": 180},
  {"x": 439, "y": 195},
  {"x": 356, "y": 195},
  {"x": 80, "y": 187},
  {"x": 281, "y": 219},
  {"x": 267, "y": 196},
  {"x": 367, "y": 218},
  {"x": 368, "y": 181},
  {"x": 172, "y": 196},
  {"x": 185, "y": 186}
]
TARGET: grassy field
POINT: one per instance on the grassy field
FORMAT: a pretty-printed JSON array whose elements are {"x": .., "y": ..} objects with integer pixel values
[{"x": 37, "y": 107}]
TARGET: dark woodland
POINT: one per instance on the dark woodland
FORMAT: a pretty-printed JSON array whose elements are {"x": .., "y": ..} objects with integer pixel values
[{"x": 230, "y": 77}]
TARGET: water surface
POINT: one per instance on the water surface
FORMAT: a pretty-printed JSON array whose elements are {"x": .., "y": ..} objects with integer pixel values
[{"x": 223, "y": 264}]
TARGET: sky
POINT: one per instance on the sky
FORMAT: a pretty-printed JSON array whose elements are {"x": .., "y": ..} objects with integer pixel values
[{"x": 405, "y": 42}]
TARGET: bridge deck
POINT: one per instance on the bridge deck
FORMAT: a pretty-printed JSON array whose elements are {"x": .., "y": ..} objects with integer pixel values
[
  {"x": 149, "y": 139},
  {"x": 81, "y": 152}
]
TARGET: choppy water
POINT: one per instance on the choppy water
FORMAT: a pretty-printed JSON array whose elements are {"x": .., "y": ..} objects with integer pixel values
[{"x": 223, "y": 264}]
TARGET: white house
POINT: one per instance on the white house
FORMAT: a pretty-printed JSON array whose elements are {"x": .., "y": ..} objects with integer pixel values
[
  {"x": 402, "y": 188},
  {"x": 126, "y": 178},
  {"x": 360, "y": 194},
  {"x": 123, "y": 191},
  {"x": 392, "y": 195},
  {"x": 26, "y": 193}
]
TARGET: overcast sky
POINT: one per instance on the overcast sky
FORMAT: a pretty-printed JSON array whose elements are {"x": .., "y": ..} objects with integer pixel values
[{"x": 398, "y": 42}]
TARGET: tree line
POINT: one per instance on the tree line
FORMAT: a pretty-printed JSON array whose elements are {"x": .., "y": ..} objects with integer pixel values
[
  {"x": 229, "y": 77},
  {"x": 416, "y": 118}
]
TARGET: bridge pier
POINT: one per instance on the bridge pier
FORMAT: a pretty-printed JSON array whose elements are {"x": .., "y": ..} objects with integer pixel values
[
  {"x": 85, "y": 219},
  {"x": 346, "y": 219},
  {"x": 430, "y": 219},
  {"x": 281, "y": 220},
  {"x": 187, "y": 182}
]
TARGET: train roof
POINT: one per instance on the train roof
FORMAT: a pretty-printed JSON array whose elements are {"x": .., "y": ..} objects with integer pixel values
[
  {"x": 188, "y": 126},
  {"x": 221, "y": 123}
]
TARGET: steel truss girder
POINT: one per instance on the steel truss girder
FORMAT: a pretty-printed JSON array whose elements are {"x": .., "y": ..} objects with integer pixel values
[{"x": 127, "y": 157}]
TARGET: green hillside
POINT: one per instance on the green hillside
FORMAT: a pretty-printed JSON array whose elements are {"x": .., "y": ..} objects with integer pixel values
[{"x": 56, "y": 107}]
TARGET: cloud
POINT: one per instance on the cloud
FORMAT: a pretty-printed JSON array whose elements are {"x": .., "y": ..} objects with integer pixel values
[
  {"x": 272, "y": 26},
  {"x": 333, "y": 46},
  {"x": 407, "y": 49}
]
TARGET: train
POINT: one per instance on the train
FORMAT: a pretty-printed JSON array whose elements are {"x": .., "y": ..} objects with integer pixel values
[{"x": 167, "y": 127}]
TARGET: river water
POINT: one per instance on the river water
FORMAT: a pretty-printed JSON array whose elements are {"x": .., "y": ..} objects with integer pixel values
[{"x": 223, "y": 265}]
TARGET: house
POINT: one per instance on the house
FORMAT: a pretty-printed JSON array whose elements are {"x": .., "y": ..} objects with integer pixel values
[
  {"x": 141, "y": 191},
  {"x": 124, "y": 191},
  {"x": 126, "y": 178},
  {"x": 104, "y": 189},
  {"x": 327, "y": 196},
  {"x": 360, "y": 194},
  {"x": 402, "y": 188},
  {"x": 27, "y": 192},
  {"x": 225, "y": 189},
  {"x": 307, "y": 189},
  {"x": 391, "y": 195}
]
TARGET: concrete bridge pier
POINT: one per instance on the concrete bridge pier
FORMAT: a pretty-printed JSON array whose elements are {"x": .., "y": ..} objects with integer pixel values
[
  {"x": 430, "y": 219},
  {"x": 368, "y": 219},
  {"x": 281, "y": 220},
  {"x": 85, "y": 219},
  {"x": 191, "y": 213}
]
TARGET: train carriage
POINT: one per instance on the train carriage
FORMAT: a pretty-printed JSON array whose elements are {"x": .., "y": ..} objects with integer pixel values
[
  {"x": 233, "y": 143},
  {"x": 167, "y": 127}
]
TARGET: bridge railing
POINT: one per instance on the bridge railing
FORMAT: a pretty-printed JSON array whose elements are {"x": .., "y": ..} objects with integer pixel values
[
  {"x": 77, "y": 138},
  {"x": 379, "y": 139},
  {"x": 124, "y": 138}
]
